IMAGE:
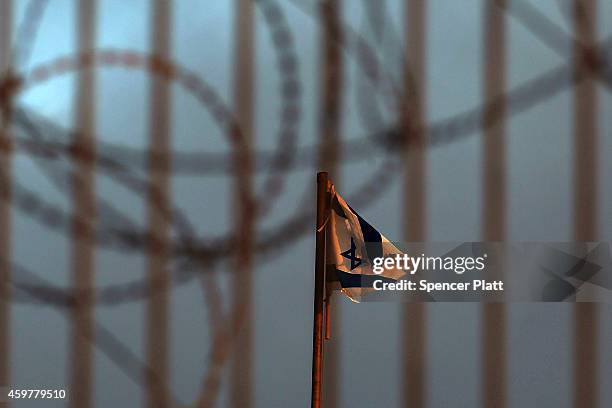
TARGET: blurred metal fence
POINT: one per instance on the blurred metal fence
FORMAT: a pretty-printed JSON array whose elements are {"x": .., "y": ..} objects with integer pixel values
[{"x": 410, "y": 132}]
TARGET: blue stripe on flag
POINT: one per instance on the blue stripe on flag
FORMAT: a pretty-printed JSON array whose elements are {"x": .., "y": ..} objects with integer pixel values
[
  {"x": 353, "y": 280},
  {"x": 370, "y": 236}
]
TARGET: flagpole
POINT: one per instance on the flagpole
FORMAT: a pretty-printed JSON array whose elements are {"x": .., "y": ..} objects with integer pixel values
[
  {"x": 317, "y": 331},
  {"x": 328, "y": 295}
]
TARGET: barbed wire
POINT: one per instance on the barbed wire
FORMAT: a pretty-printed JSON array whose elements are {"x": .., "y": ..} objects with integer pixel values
[
  {"x": 190, "y": 252},
  {"x": 520, "y": 99},
  {"x": 65, "y": 64},
  {"x": 104, "y": 339},
  {"x": 448, "y": 130},
  {"x": 27, "y": 32},
  {"x": 289, "y": 90}
]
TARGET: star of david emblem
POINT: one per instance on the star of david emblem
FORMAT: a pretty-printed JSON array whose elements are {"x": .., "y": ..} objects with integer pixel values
[{"x": 352, "y": 255}]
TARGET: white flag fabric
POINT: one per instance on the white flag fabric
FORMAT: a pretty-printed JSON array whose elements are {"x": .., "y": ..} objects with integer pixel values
[{"x": 352, "y": 244}]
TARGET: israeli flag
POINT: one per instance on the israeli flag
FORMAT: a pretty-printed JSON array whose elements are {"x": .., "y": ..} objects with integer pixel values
[{"x": 352, "y": 245}]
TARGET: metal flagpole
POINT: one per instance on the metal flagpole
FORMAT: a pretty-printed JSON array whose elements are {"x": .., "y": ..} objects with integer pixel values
[{"x": 317, "y": 330}]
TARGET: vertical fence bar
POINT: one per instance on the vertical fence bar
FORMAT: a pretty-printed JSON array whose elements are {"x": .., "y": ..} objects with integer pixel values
[
  {"x": 158, "y": 222},
  {"x": 330, "y": 90},
  {"x": 84, "y": 212},
  {"x": 330, "y": 96},
  {"x": 6, "y": 17},
  {"x": 414, "y": 121},
  {"x": 494, "y": 198},
  {"x": 585, "y": 329},
  {"x": 241, "y": 388}
]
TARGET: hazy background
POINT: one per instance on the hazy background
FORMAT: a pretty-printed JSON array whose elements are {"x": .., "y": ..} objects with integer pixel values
[{"x": 539, "y": 173}]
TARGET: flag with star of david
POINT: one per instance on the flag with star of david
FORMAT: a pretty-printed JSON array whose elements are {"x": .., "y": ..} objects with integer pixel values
[{"x": 352, "y": 244}]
